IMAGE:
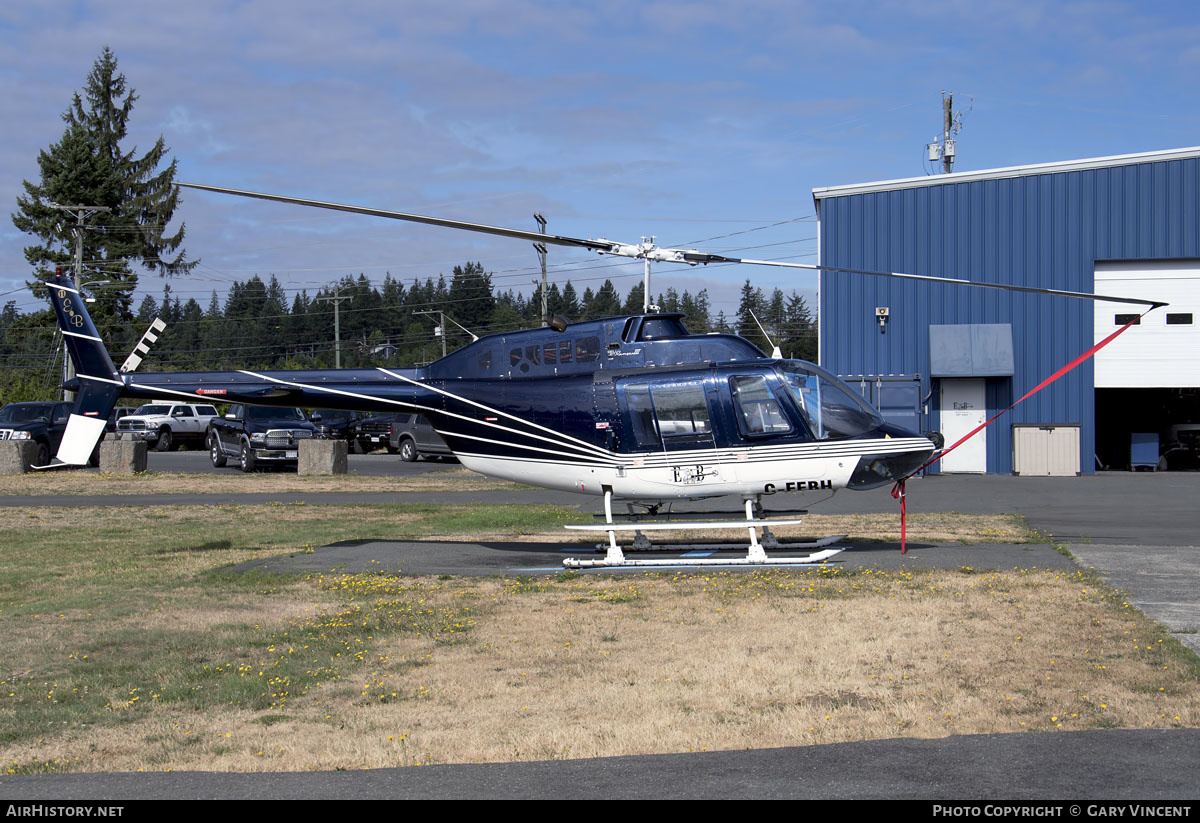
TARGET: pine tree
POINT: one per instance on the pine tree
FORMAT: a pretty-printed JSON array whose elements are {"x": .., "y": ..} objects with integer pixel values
[
  {"x": 570, "y": 301},
  {"x": 753, "y": 304},
  {"x": 800, "y": 339},
  {"x": 470, "y": 300},
  {"x": 554, "y": 300},
  {"x": 88, "y": 167},
  {"x": 147, "y": 311},
  {"x": 604, "y": 303},
  {"x": 635, "y": 300},
  {"x": 695, "y": 310}
]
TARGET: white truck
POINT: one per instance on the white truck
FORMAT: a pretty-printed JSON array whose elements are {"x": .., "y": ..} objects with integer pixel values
[{"x": 165, "y": 425}]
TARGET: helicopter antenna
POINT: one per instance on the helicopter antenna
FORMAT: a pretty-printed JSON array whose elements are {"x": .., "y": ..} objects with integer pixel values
[
  {"x": 474, "y": 336},
  {"x": 778, "y": 355}
]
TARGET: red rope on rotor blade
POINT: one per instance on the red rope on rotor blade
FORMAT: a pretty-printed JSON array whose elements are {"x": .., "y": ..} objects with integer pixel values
[{"x": 898, "y": 489}]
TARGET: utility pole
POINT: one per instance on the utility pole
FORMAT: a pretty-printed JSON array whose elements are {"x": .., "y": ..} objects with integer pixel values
[
  {"x": 944, "y": 148},
  {"x": 541, "y": 250},
  {"x": 948, "y": 147},
  {"x": 336, "y": 299},
  {"x": 81, "y": 213},
  {"x": 440, "y": 331}
]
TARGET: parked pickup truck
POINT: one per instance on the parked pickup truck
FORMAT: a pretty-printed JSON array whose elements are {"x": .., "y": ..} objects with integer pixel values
[
  {"x": 166, "y": 425},
  {"x": 373, "y": 431},
  {"x": 258, "y": 435}
]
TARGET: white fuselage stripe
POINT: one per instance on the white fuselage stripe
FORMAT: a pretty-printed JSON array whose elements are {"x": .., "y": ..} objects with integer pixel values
[
  {"x": 591, "y": 451},
  {"x": 586, "y": 446},
  {"x": 120, "y": 383},
  {"x": 574, "y": 458}
]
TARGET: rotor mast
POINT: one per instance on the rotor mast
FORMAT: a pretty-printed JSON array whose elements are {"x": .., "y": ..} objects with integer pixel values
[{"x": 646, "y": 277}]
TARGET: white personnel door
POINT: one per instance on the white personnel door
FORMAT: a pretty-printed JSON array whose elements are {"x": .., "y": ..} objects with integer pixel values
[{"x": 964, "y": 406}]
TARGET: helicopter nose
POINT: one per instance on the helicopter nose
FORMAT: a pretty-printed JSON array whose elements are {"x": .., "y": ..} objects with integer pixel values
[{"x": 875, "y": 470}]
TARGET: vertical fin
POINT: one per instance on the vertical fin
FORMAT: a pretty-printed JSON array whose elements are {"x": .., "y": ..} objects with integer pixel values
[
  {"x": 83, "y": 341},
  {"x": 100, "y": 385}
]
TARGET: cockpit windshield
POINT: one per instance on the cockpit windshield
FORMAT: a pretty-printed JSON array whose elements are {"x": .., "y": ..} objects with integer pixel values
[{"x": 832, "y": 410}]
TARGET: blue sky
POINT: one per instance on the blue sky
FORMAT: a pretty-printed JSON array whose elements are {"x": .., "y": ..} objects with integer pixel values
[{"x": 690, "y": 121}]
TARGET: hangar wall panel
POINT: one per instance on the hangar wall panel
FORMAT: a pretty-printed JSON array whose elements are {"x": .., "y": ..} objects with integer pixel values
[{"x": 1023, "y": 227}]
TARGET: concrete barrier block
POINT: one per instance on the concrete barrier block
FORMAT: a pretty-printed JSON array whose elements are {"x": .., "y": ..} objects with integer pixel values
[
  {"x": 322, "y": 457},
  {"x": 122, "y": 456},
  {"x": 16, "y": 456}
]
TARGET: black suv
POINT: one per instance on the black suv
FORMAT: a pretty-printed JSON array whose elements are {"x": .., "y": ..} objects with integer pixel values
[
  {"x": 336, "y": 424},
  {"x": 255, "y": 435},
  {"x": 43, "y": 423}
]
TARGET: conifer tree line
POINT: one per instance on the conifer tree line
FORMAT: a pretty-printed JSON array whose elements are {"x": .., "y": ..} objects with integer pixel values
[{"x": 256, "y": 324}]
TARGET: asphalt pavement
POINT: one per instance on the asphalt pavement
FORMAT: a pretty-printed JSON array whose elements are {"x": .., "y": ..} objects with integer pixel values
[{"x": 1146, "y": 765}]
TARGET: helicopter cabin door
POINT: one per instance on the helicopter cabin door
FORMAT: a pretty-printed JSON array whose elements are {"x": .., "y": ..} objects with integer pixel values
[{"x": 672, "y": 422}]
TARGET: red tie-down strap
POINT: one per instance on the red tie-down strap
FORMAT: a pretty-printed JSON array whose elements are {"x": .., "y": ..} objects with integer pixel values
[{"x": 898, "y": 489}]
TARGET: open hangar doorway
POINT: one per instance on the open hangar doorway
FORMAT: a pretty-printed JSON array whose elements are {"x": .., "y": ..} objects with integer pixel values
[
  {"x": 1171, "y": 414},
  {"x": 1148, "y": 379}
]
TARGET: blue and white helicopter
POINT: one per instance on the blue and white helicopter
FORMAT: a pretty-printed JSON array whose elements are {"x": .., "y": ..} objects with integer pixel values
[{"x": 631, "y": 409}]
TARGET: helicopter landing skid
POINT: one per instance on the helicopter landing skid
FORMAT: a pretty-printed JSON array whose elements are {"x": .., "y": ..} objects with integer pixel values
[
  {"x": 641, "y": 543},
  {"x": 755, "y": 555}
]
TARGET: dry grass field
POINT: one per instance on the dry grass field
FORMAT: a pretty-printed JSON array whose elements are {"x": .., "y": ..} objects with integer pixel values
[
  {"x": 234, "y": 482},
  {"x": 126, "y": 644}
]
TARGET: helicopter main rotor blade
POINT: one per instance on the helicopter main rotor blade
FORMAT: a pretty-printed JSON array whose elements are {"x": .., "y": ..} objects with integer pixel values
[
  {"x": 702, "y": 258},
  {"x": 604, "y": 246},
  {"x": 649, "y": 252}
]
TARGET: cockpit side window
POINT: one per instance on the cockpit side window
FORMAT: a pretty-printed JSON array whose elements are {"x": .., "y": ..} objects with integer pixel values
[{"x": 758, "y": 412}]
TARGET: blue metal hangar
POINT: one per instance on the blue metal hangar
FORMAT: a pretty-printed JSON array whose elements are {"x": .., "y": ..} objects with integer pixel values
[{"x": 954, "y": 355}]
